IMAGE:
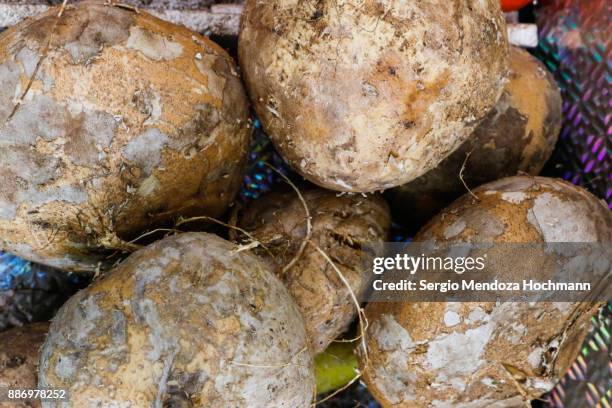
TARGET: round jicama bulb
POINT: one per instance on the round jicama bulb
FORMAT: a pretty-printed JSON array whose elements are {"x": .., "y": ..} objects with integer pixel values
[
  {"x": 486, "y": 354},
  {"x": 368, "y": 96},
  {"x": 348, "y": 229},
  {"x": 517, "y": 136},
  {"x": 112, "y": 122},
  {"x": 190, "y": 320}
]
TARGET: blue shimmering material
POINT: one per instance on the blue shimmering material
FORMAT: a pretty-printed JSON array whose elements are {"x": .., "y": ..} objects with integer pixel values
[
  {"x": 259, "y": 178},
  {"x": 574, "y": 45},
  {"x": 30, "y": 292},
  {"x": 12, "y": 269},
  {"x": 17, "y": 273}
]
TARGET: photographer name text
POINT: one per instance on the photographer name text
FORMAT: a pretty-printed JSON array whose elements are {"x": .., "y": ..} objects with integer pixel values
[{"x": 473, "y": 285}]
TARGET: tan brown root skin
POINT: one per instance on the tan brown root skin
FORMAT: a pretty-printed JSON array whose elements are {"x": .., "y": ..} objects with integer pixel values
[
  {"x": 404, "y": 339},
  {"x": 508, "y": 352},
  {"x": 342, "y": 227},
  {"x": 186, "y": 321},
  {"x": 518, "y": 135},
  {"x": 19, "y": 354},
  {"x": 365, "y": 97},
  {"x": 129, "y": 123}
]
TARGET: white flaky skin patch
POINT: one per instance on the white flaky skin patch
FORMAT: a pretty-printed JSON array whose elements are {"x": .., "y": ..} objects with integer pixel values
[
  {"x": 394, "y": 340},
  {"x": 364, "y": 97},
  {"x": 153, "y": 46},
  {"x": 424, "y": 362},
  {"x": 187, "y": 320},
  {"x": 560, "y": 220},
  {"x": 523, "y": 209}
]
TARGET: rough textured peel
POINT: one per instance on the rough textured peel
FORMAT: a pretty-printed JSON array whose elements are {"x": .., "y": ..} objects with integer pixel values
[
  {"x": 487, "y": 354},
  {"x": 364, "y": 96},
  {"x": 187, "y": 321},
  {"x": 348, "y": 228},
  {"x": 111, "y": 122},
  {"x": 517, "y": 135}
]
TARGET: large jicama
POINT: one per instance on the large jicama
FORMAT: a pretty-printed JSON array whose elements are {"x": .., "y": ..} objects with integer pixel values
[
  {"x": 364, "y": 96},
  {"x": 518, "y": 135},
  {"x": 487, "y": 354},
  {"x": 327, "y": 268},
  {"x": 191, "y": 321},
  {"x": 112, "y": 122}
]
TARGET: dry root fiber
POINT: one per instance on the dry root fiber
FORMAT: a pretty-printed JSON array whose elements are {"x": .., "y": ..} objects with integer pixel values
[{"x": 347, "y": 229}]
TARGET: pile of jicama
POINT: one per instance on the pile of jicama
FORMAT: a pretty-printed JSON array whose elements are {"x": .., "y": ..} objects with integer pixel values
[{"x": 123, "y": 143}]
